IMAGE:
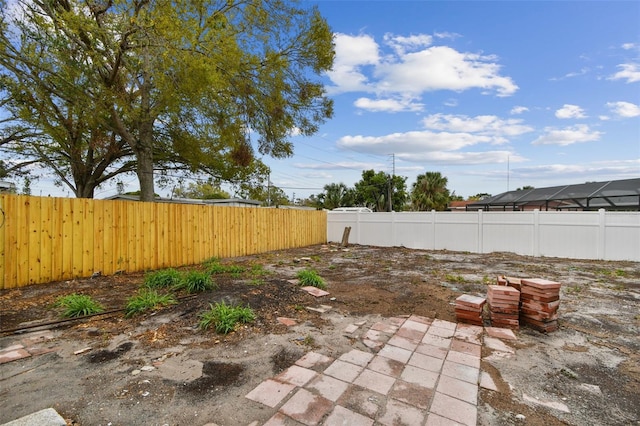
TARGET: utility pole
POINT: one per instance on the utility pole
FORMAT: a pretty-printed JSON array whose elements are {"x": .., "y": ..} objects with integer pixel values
[
  {"x": 269, "y": 190},
  {"x": 391, "y": 181}
]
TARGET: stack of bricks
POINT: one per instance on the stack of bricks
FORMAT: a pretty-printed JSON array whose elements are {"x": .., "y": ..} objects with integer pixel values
[
  {"x": 540, "y": 303},
  {"x": 469, "y": 309},
  {"x": 504, "y": 306}
]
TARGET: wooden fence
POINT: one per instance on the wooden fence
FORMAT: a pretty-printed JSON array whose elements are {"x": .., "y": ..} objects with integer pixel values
[{"x": 50, "y": 239}]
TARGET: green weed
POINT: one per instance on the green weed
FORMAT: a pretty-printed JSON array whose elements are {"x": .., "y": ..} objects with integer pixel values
[
  {"x": 165, "y": 278},
  {"x": 257, "y": 270},
  {"x": 147, "y": 299},
  {"x": 573, "y": 289},
  {"x": 78, "y": 305},
  {"x": 224, "y": 317},
  {"x": 454, "y": 278},
  {"x": 197, "y": 282},
  {"x": 309, "y": 277},
  {"x": 256, "y": 282}
]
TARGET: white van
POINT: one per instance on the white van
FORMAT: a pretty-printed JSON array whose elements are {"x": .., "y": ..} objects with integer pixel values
[{"x": 353, "y": 209}]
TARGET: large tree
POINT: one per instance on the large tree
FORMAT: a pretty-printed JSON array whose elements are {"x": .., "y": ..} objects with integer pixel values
[
  {"x": 336, "y": 195},
  {"x": 380, "y": 191},
  {"x": 193, "y": 84},
  {"x": 429, "y": 192}
]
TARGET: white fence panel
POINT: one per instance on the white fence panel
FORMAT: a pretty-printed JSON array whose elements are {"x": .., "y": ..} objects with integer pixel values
[
  {"x": 457, "y": 232},
  {"x": 569, "y": 234},
  {"x": 509, "y": 231},
  {"x": 575, "y": 235},
  {"x": 621, "y": 236}
]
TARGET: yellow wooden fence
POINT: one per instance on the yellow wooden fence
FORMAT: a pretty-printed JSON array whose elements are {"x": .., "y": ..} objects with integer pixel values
[{"x": 45, "y": 239}]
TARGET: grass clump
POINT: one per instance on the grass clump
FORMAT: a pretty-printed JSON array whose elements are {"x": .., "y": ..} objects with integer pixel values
[
  {"x": 165, "y": 278},
  {"x": 148, "y": 299},
  {"x": 78, "y": 305},
  {"x": 197, "y": 282},
  {"x": 223, "y": 318},
  {"x": 214, "y": 267},
  {"x": 309, "y": 277}
]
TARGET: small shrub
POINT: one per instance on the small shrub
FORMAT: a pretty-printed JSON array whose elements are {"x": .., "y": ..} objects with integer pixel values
[
  {"x": 224, "y": 317},
  {"x": 78, "y": 305},
  {"x": 165, "y": 278},
  {"x": 197, "y": 282},
  {"x": 454, "y": 278},
  {"x": 257, "y": 270},
  {"x": 256, "y": 282},
  {"x": 309, "y": 277},
  {"x": 147, "y": 299},
  {"x": 213, "y": 267}
]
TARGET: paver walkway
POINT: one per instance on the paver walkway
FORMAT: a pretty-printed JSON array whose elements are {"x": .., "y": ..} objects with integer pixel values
[{"x": 419, "y": 372}]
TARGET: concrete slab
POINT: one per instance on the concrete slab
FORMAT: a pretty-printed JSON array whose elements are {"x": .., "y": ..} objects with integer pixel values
[{"x": 46, "y": 417}]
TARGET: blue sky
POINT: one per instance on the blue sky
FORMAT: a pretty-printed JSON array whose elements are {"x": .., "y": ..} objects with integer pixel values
[{"x": 494, "y": 95}]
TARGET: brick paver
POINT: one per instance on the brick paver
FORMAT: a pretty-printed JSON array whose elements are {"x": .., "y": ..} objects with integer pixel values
[
  {"x": 413, "y": 370},
  {"x": 375, "y": 381}
]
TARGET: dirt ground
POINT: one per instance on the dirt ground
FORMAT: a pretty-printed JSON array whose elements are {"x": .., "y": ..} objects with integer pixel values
[{"x": 160, "y": 368}]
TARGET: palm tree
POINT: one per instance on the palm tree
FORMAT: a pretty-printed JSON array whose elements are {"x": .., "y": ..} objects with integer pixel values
[
  {"x": 429, "y": 192},
  {"x": 336, "y": 195}
]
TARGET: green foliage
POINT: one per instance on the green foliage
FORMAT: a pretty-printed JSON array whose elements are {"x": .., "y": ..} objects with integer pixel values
[
  {"x": 257, "y": 270},
  {"x": 144, "y": 86},
  {"x": 164, "y": 278},
  {"x": 310, "y": 277},
  {"x": 197, "y": 282},
  {"x": 78, "y": 305},
  {"x": 336, "y": 195},
  {"x": 374, "y": 189},
  {"x": 208, "y": 190},
  {"x": 147, "y": 299},
  {"x": 429, "y": 192},
  {"x": 454, "y": 278},
  {"x": 256, "y": 282},
  {"x": 224, "y": 317},
  {"x": 214, "y": 267}
]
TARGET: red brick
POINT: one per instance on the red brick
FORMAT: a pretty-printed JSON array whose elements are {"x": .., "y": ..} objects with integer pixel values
[
  {"x": 540, "y": 283},
  {"x": 471, "y": 301}
]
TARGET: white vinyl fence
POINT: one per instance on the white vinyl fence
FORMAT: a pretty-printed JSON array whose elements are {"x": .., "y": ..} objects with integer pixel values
[{"x": 600, "y": 234}]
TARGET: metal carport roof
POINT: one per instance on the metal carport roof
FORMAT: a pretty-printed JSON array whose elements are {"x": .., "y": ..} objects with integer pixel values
[{"x": 610, "y": 195}]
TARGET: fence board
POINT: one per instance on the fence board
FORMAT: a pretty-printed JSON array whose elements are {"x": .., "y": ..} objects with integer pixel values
[
  {"x": 578, "y": 235},
  {"x": 46, "y": 239}
]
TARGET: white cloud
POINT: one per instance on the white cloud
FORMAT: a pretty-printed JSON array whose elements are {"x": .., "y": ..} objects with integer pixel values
[
  {"x": 412, "y": 67},
  {"x": 570, "y": 111},
  {"x": 628, "y": 46},
  {"x": 462, "y": 158},
  {"x": 567, "y": 136},
  {"x": 410, "y": 142},
  {"x": 388, "y": 105},
  {"x": 352, "y": 53},
  {"x": 624, "y": 109},
  {"x": 451, "y": 102},
  {"x": 443, "y": 68},
  {"x": 349, "y": 165},
  {"x": 401, "y": 44},
  {"x": 488, "y": 125},
  {"x": 629, "y": 72},
  {"x": 594, "y": 171},
  {"x": 518, "y": 110}
]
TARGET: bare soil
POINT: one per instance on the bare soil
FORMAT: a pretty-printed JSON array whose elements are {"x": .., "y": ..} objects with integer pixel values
[{"x": 160, "y": 368}]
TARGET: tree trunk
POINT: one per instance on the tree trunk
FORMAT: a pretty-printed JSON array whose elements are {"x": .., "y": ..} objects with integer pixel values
[{"x": 144, "y": 157}]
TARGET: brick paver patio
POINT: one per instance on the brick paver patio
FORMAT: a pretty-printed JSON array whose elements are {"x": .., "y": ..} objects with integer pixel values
[{"x": 417, "y": 371}]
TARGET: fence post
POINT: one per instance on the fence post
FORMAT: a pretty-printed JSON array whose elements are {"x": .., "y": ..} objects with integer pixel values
[
  {"x": 433, "y": 230},
  {"x": 3, "y": 221},
  {"x": 393, "y": 230},
  {"x": 601, "y": 234},
  {"x": 536, "y": 232},
  {"x": 480, "y": 243}
]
